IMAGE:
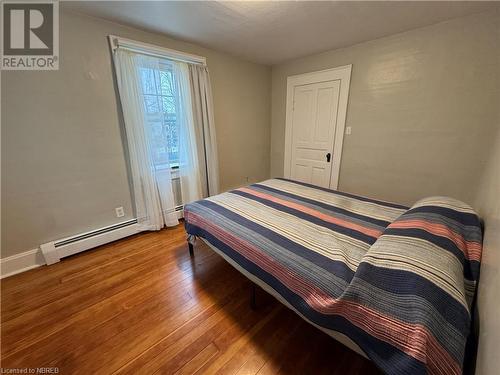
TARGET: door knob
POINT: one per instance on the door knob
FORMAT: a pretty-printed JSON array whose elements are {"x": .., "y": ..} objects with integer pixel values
[{"x": 328, "y": 156}]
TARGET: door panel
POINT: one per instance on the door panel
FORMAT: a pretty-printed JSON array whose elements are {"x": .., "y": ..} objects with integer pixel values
[
  {"x": 302, "y": 172},
  {"x": 314, "y": 119},
  {"x": 304, "y": 103},
  {"x": 325, "y": 107},
  {"x": 318, "y": 177}
]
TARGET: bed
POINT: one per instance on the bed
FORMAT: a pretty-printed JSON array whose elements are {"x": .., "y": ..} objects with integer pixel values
[{"x": 396, "y": 284}]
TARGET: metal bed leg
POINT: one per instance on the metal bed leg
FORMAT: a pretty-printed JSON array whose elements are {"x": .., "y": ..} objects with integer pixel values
[
  {"x": 253, "y": 303},
  {"x": 191, "y": 253}
]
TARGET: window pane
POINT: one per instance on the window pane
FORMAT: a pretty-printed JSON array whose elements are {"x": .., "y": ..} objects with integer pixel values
[
  {"x": 151, "y": 103},
  {"x": 160, "y": 101},
  {"x": 167, "y": 83},
  {"x": 172, "y": 136},
  {"x": 168, "y": 104},
  {"x": 148, "y": 81}
]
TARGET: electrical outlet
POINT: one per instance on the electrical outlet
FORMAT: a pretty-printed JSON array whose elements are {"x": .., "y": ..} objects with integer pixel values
[
  {"x": 348, "y": 130},
  {"x": 120, "y": 212}
]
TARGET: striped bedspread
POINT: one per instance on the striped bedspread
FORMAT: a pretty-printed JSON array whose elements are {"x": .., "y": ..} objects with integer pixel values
[{"x": 397, "y": 281}]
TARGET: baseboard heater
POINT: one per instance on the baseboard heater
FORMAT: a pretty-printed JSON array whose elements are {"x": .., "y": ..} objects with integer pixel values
[{"x": 55, "y": 250}]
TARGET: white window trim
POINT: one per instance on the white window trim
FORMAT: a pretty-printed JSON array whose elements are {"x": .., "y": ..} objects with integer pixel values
[{"x": 152, "y": 50}]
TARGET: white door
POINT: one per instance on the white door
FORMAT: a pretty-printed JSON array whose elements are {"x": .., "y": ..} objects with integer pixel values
[
  {"x": 313, "y": 132},
  {"x": 314, "y": 120}
]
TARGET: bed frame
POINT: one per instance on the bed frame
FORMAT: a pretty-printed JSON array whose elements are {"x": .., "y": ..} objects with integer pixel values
[{"x": 256, "y": 282}]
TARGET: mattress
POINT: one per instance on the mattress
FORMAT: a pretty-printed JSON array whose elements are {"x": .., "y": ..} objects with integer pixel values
[{"x": 392, "y": 282}]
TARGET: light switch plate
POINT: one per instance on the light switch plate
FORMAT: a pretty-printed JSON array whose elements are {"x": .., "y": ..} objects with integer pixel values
[
  {"x": 120, "y": 212},
  {"x": 348, "y": 130}
]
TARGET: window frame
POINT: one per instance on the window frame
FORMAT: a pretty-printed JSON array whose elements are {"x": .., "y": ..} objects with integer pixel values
[{"x": 153, "y": 50}]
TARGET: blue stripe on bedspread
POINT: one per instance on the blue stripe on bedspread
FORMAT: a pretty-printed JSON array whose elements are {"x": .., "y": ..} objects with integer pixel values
[{"x": 358, "y": 197}]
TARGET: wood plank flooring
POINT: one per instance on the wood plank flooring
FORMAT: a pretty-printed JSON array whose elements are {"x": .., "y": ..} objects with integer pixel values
[{"x": 143, "y": 306}]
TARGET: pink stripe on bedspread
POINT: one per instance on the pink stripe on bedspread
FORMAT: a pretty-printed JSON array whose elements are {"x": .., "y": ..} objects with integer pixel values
[
  {"x": 471, "y": 250},
  {"x": 310, "y": 211},
  {"x": 413, "y": 339}
]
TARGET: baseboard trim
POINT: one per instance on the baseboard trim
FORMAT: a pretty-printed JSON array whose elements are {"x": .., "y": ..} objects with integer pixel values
[
  {"x": 21, "y": 262},
  {"x": 95, "y": 241},
  {"x": 51, "y": 252}
]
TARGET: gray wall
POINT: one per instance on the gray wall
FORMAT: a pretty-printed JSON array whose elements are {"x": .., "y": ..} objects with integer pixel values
[
  {"x": 487, "y": 203},
  {"x": 63, "y": 163},
  {"x": 422, "y": 106}
]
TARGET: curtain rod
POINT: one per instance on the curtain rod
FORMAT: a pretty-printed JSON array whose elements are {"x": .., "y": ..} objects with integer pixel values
[{"x": 152, "y": 50}]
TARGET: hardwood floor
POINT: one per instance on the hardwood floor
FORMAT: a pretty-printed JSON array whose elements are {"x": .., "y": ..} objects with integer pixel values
[{"x": 142, "y": 305}]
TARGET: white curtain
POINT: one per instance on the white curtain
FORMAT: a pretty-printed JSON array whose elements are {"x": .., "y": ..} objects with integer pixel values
[
  {"x": 155, "y": 95},
  {"x": 152, "y": 188},
  {"x": 189, "y": 163},
  {"x": 203, "y": 116}
]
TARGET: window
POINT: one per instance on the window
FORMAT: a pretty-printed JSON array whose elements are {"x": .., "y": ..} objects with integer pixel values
[
  {"x": 163, "y": 130},
  {"x": 161, "y": 103}
]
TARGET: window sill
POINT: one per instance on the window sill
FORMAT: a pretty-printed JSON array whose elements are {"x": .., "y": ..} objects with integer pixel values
[{"x": 174, "y": 170}]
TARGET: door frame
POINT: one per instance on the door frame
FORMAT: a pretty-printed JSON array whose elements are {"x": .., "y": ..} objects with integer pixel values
[{"x": 342, "y": 73}]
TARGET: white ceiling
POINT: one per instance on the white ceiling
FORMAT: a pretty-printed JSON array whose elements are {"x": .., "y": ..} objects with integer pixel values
[{"x": 270, "y": 32}]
